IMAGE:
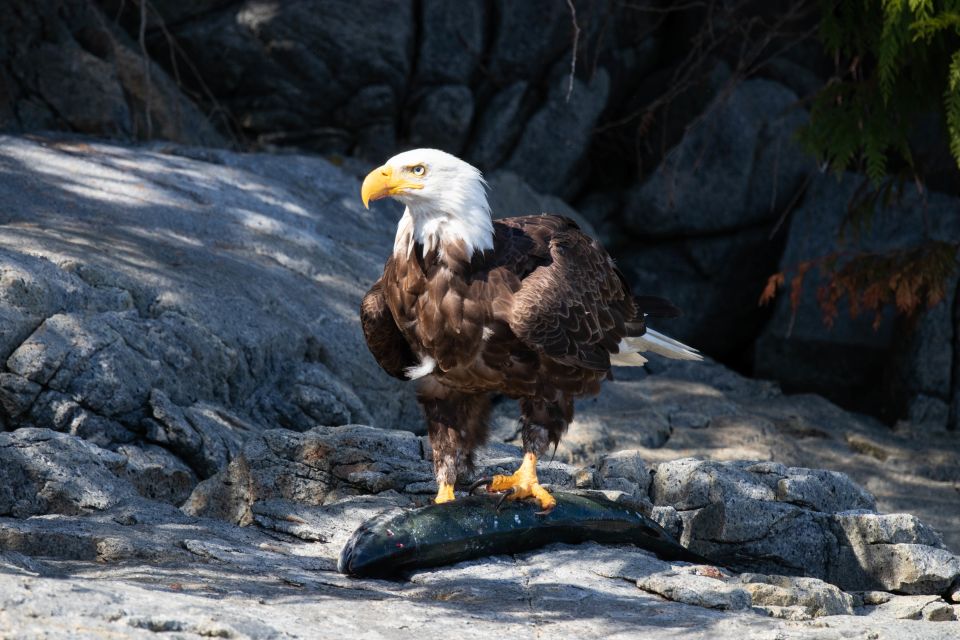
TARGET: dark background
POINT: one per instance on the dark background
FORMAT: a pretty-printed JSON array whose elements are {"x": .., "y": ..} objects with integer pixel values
[{"x": 669, "y": 128}]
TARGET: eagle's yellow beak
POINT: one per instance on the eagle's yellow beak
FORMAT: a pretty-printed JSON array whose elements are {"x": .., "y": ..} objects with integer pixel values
[{"x": 381, "y": 183}]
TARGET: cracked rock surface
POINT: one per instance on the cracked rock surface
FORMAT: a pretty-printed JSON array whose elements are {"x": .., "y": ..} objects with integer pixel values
[{"x": 191, "y": 428}]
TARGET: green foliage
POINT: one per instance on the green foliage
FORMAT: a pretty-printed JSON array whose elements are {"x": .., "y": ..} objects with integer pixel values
[{"x": 896, "y": 60}]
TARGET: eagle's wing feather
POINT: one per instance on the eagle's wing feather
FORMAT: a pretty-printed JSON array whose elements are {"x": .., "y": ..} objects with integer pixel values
[
  {"x": 574, "y": 307},
  {"x": 384, "y": 339}
]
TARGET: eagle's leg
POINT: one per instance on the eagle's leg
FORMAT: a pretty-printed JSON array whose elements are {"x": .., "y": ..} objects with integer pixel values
[
  {"x": 542, "y": 424},
  {"x": 456, "y": 424}
]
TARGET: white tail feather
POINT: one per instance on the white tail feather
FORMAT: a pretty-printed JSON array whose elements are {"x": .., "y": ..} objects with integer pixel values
[
  {"x": 627, "y": 358},
  {"x": 657, "y": 343}
]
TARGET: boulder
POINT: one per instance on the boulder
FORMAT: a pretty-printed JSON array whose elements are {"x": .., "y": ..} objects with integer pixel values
[
  {"x": 795, "y": 598},
  {"x": 895, "y": 369},
  {"x": 316, "y": 467},
  {"x": 116, "y": 332},
  {"x": 442, "y": 119},
  {"x": 68, "y": 66},
  {"x": 42, "y": 472},
  {"x": 451, "y": 40},
  {"x": 549, "y": 161},
  {"x": 282, "y": 70},
  {"x": 516, "y": 55},
  {"x": 736, "y": 167},
  {"x": 804, "y": 522},
  {"x": 498, "y": 127},
  {"x": 700, "y": 591}
]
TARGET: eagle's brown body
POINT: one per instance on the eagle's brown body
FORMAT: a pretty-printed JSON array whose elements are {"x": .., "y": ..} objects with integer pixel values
[{"x": 535, "y": 318}]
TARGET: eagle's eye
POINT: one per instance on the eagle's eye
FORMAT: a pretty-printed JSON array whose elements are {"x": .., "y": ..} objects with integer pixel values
[{"x": 418, "y": 170}]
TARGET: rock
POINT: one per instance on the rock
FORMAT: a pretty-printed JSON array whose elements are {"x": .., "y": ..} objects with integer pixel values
[
  {"x": 815, "y": 598},
  {"x": 876, "y": 370},
  {"x": 442, "y": 119},
  {"x": 303, "y": 494},
  {"x": 71, "y": 68},
  {"x": 283, "y": 69},
  {"x": 820, "y": 490},
  {"x": 928, "y": 608},
  {"x": 796, "y": 521},
  {"x": 892, "y": 552},
  {"x": 117, "y": 337},
  {"x": 953, "y": 594},
  {"x": 44, "y": 472},
  {"x": 498, "y": 127},
  {"x": 157, "y": 474},
  {"x": 697, "y": 590},
  {"x": 539, "y": 140},
  {"x": 452, "y": 41},
  {"x": 625, "y": 471},
  {"x": 737, "y": 167},
  {"x": 515, "y": 54},
  {"x": 314, "y": 468},
  {"x": 120, "y": 350}
]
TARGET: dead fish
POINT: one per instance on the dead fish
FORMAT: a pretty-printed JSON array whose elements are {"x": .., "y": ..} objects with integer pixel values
[{"x": 393, "y": 544}]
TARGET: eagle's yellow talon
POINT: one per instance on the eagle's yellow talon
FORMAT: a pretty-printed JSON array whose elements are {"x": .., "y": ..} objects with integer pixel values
[
  {"x": 444, "y": 494},
  {"x": 524, "y": 484}
]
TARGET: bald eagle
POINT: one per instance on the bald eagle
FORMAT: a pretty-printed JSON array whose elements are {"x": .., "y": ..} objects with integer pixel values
[{"x": 467, "y": 306}]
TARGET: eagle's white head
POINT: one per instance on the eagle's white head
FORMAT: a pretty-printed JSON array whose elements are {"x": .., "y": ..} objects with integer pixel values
[{"x": 446, "y": 200}]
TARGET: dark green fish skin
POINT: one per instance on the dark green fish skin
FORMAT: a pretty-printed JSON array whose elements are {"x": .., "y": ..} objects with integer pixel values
[{"x": 394, "y": 544}]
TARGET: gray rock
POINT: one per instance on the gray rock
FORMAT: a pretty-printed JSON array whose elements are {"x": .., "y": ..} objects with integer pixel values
[
  {"x": 699, "y": 591},
  {"x": 814, "y": 597},
  {"x": 314, "y": 468},
  {"x": 442, "y": 119},
  {"x": 515, "y": 55},
  {"x": 856, "y": 364},
  {"x": 72, "y": 68},
  {"x": 43, "y": 472},
  {"x": 452, "y": 40},
  {"x": 625, "y": 471},
  {"x": 282, "y": 70},
  {"x": 778, "y": 519},
  {"x": 820, "y": 490},
  {"x": 146, "y": 566},
  {"x": 928, "y": 608},
  {"x": 737, "y": 167},
  {"x": 120, "y": 346},
  {"x": 668, "y": 518},
  {"x": 157, "y": 474},
  {"x": 498, "y": 127},
  {"x": 547, "y": 161},
  {"x": 692, "y": 484},
  {"x": 903, "y": 567}
]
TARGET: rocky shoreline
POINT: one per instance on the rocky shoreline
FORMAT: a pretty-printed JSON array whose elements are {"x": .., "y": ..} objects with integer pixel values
[{"x": 192, "y": 427}]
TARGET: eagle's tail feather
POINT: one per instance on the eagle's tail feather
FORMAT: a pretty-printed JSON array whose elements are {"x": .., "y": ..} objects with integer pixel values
[{"x": 657, "y": 343}]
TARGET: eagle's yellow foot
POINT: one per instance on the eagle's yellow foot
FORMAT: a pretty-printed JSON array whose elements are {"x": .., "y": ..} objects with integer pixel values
[
  {"x": 524, "y": 484},
  {"x": 444, "y": 494}
]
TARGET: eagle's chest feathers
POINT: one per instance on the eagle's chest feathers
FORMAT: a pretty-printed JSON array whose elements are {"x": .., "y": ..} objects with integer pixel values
[{"x": 439, "y": 303}]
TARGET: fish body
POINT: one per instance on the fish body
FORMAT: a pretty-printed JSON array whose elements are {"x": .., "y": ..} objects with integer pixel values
[{"x": 393, "y": 544}]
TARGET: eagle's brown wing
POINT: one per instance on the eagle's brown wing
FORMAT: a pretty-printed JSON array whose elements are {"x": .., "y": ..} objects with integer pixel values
[
  {"x": 574, "y": 307},
  {"x": 384, "y": 339}
]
